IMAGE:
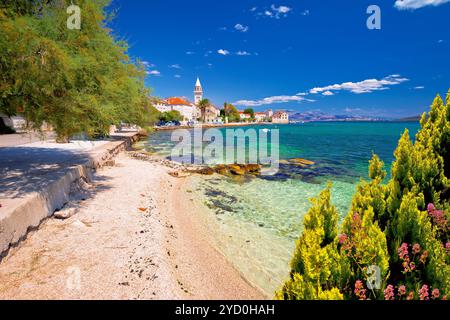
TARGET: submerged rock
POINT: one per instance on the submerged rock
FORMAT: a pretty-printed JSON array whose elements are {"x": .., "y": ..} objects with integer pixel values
[
  {"x": 238, "y": 169},
  {"x": 301, "y": 162},
  {"x": 222, "y": 169},
  {"x": 253, "y": 168},
  {"x": 206, "y": 171}
]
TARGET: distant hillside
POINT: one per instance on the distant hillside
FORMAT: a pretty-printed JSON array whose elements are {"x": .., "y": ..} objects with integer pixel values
[
  {"x": 310, "y": 116},
  {"x": 410, "y": 119}
]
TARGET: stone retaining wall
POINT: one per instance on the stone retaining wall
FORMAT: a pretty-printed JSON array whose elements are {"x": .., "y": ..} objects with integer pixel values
[{"x": 17, "y": 221}]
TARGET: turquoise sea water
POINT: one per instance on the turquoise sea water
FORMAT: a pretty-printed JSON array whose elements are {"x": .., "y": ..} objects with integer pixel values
[{"x": 258, "y": 219}]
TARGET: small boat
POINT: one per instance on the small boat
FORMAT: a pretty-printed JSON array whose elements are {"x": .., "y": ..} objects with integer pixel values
[{"x": 265, "y": 130}]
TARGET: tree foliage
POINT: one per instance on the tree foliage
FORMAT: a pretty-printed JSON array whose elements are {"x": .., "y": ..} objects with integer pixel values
[
  {"x": 203, "y": 105},
  {"x": 231, "y": 113},
  {"x": 401, "y": 227},
  {"x": 250, "y": 112},
  {"x": 75, "y": 80},
  {"x": 173, "y": 115}
]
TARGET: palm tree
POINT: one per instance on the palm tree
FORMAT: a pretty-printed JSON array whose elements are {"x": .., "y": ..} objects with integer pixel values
[{"x": 203, "y": 105}]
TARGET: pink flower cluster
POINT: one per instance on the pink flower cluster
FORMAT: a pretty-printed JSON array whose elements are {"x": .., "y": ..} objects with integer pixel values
[
  {"x": 343, "y": 238},
  {"x": 401, "y": 290},
  {"x": 403, "y": 254},
  {"x": 360, "y": 292},
  {"x": 435, "y": 294},
  {"x": 389, "y": 293},
  {"x": 346, "y": 244},
  {"x": 438, "y": 217},
  {"x": 423, "y": 294}
]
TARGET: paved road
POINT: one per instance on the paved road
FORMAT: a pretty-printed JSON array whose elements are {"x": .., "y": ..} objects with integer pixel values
[
  {"x": 26, "y": 168},
  {"x": 9, "y": 140}
]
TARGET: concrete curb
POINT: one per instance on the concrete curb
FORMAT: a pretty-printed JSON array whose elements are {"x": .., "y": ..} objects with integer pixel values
[{"x": 17, "y": 221}]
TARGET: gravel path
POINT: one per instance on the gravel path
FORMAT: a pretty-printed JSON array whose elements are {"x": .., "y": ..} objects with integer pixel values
[{"x": 134, "y": 237}]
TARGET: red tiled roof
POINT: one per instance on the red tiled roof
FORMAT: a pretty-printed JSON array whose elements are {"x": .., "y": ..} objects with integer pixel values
[{"x": 177, "y": 102}]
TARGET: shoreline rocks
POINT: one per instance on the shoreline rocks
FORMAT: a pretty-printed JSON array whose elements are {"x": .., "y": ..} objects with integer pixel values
[{"x": 230, "y": 170}]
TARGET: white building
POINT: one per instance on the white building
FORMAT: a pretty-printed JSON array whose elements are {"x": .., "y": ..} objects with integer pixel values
[
  {"x": 280, "y": 117},
  {"x": 244, "y": 116},
  {"x": 188, "y": 110},
  {"x": 260, "y": 116}
]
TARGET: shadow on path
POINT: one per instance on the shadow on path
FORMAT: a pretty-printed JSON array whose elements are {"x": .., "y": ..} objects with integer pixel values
[{"x": 26, "y": 169}]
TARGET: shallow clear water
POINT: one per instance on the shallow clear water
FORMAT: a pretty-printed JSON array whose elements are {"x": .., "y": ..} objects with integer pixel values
[{"x": 258, "y": 219}]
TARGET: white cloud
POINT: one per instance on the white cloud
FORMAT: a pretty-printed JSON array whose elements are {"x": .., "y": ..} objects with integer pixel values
[
  {"x": 223, "y": 52},
  {"x": 276, "y": 12},
  {"x": 352, "y": 110},
  {"x": 419, "y": 88},
  {"x": 177, "y": 76},
  {"x": 223, "y": 29},
  {"x": 148, "y": 64},
  {"x": 253, "y": 9},
  {"x": 305, "y": 13},
  {"x": 417, "y": 4},
  {"x": 190, "y": 53},
  {"x": 270, "y": 100},
  {"x": 175, "y": 66},
  {"x": 280, "y": 9},
  {"x": 365, "y": 86},
  {"x": 154, "y": 73},
  {"x": 241, "y": 27},
  {"x": 440, "y": 41},
  {"x": 243, "y": 53}
]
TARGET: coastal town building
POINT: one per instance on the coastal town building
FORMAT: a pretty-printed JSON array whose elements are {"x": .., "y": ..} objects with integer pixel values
[
  {"x": 187, "y": 110},
  {"x": 280, "y": 117},
  {"x": 198, "y": 92},
  {"x": 244, "y": 116},
  {"x": 260, "y": 116},
  {"x": 190, "y": 111},
  {"x": 212, "y": 115}
]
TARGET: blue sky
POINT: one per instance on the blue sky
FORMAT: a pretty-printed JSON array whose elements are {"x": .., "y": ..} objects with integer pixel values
[{"x": 300, "y": 55}]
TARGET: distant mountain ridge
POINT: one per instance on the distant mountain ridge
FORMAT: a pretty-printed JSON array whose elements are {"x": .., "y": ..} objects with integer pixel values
[
  {"x": 311, "y": 116},
  {"x": 318, "y": 116},
  {"x": 411, "y": 119}
]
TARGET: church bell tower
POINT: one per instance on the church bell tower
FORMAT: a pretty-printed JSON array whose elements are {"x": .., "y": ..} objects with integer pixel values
[{"x": 198, "y": 92}]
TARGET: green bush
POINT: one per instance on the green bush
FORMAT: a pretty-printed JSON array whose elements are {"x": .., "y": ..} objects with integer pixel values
[
  {"x": 401, "y": 227},
  {"x": 168, "y": 116},
  {"x": 75, "y": 80}
]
